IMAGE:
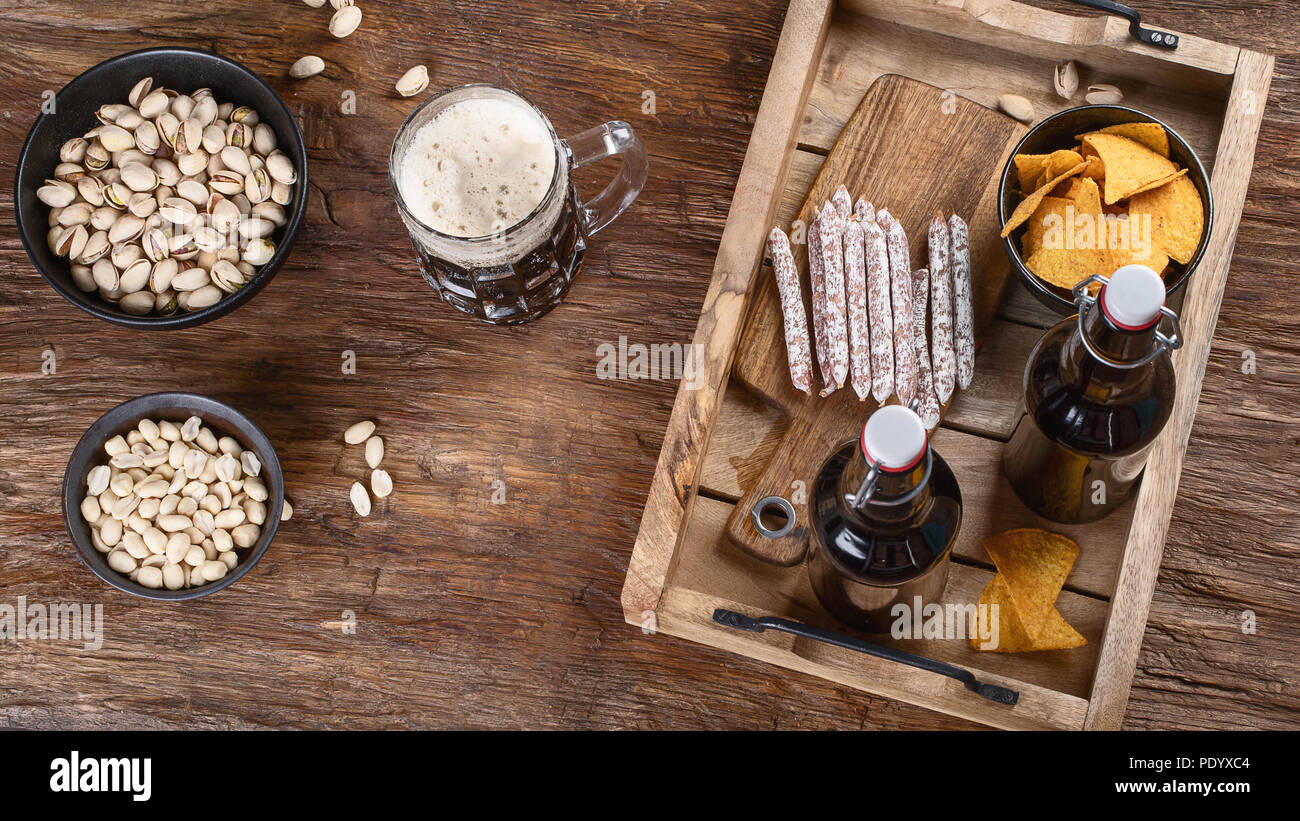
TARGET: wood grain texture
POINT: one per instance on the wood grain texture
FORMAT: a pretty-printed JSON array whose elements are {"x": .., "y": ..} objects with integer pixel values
[{"x": 472, "y": 614}]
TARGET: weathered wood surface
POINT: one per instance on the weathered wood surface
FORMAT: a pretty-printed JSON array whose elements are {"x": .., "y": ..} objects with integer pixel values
[{"x": 475, "y": 614}]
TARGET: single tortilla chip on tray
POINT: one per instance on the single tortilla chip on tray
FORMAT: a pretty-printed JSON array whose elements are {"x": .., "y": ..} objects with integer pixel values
[
  {"x": 1054, "y": 633},
  {"x": 1035, "y": 564}
]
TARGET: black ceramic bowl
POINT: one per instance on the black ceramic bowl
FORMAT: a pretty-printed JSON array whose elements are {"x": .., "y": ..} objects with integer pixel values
[
  {"x": 1059, "y": 131},
  {"x": 224, "y": 421},
  {"x": 182, "y": 69}
]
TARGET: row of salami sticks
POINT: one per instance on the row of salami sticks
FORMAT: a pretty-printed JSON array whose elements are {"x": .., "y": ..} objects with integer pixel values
[{"x": 869, "y": 307}]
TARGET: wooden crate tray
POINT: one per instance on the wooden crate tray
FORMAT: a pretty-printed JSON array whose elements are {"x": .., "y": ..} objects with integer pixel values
[{"x": 720, "y": 436}]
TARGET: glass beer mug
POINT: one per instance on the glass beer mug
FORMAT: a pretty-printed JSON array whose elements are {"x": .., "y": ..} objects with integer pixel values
[{"x": 469, "y": 169}]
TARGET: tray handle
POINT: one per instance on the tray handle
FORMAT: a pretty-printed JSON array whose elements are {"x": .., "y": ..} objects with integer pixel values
[{"x": 1161, "y": 39}]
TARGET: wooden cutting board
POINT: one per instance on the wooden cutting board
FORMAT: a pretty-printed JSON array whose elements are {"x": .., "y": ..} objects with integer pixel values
[{"x": 914, "y": 149}]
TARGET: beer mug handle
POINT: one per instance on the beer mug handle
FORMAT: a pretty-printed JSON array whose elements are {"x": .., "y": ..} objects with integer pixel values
[{"x": 615, "y": 138}]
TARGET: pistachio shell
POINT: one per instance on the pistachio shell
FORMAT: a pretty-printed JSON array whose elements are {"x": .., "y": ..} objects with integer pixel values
[{"x": 308, "y": 66}]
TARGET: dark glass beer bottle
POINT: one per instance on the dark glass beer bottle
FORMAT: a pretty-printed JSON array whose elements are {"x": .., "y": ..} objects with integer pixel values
[
  {"x": 885, "y": 513},
  {"x": 1099, "y": 387}
]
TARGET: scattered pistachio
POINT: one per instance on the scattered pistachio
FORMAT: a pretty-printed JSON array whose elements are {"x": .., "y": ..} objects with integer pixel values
[
  {"x": 1016, "y": 107},
  {"x": 1103, "y": 94},
  {"x": 308, "y": 66},
  {"x": 413, "y": 82},
  {"x": 1066, "y": 80},
  {"x": 345, "y": 20}
]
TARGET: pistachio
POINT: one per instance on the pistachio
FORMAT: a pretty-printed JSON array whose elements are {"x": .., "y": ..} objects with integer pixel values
[
  {"x": 69, "y": 172},
  {"x": 239, "y": 134},
  {"x": 169, "y": 173},
  {"x": 135, "y": 277},
  {"x": 178, "y": 211},
  {"x": 360, "y": 499},
  {"x": 413, "y": 81},
  {"x": 338, "y": 4},
  {"x": 181, "y": 106},
  {"x": 207, "y": 238},
  {"x": 139, "y": 303},
  {"x": 281, "y": 194},
  {"x": 162, "y": 273},
  {"x": 1066, "y": 80},
  {"x": 1016, "y": 107},
  {"x": 124, "y": 253},
  {"x": 245, "y": 115},
  {"x": 226, "y": 182},
  {"x": 235, "y": 159},
  {"x": 308, "y": 66},
  {"x": 272, "y": 212},
  {"x": 91, "y": 190},
  {"x": 195, "y": 191},
  {"x": 139, "y": 91},
  {"x": 214, "y": 139},
  {"x": 97, "y": 245},
  {"x": 314, "y": 3},
  {"x": 381, "y": 483},
  {"x": 71, "y": 241},
  {"x": 226, "y": 276},
  {"x": 56, "y": 193},
  {"x": 205, "y": 297},
  {"x": 104, "y": 275},
  {"x": 138, "y": 177},
  {"x": 1103, "y": 94},
  {"x": 76, "y": 214},
  {"x": 108, "y": 114},
  {"x": 257, "y": 186},
  {"x": 153, "y": 104},
  {"x": 225, "y": 215},
  {"x": 190, "y": 280},
  {"x": 255, "y": 227},
  {"x": 345, "y": 21},
  {"x": 192, "y": 163},
  {"x": 142, "y": 204},
  {"x": 259, "y": 252},
  {"x": 97, "y": 156},
  {"x": 280, "y": 167},
  {"x": 74, "y": 150},
  {"x": 374, "y": 451},
  {"x": 205, "y": 112},
  {"x": 359, "y": 432},
  {"x": 156, "y": 246}
]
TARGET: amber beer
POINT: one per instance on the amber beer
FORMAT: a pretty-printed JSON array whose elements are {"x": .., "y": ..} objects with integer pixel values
[
  {"x": 1099, "y": 388},
  {"x": 885, "y": 512},
  {"x": 483, "y": 185}
]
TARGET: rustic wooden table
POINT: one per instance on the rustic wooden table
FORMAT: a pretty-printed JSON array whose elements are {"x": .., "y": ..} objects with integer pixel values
[{"x": 474, "y": 613}]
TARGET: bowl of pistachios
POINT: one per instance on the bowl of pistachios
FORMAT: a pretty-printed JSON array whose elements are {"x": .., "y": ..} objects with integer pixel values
[
  {"x": 173, "y": 496},
  {"x": 161, "y": 188}
]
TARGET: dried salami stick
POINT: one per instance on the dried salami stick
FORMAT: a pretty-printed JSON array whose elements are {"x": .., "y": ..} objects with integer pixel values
[
  {"x": 855, "y": 289},
  {"x": 864, "y": 211},
  {"x": 879, "y": 311},
  {"x": 929, "y": 409},
  {"x": 963, "y": 314},
  {"x": 817, "y": 278},
  {"x": 900, "y": 297},
  {"x": 942, "y": 354},
  {"x": 831, "y": 228},
  {"x": 843, "y": 203},
  {"x": 797, "y": 349}
]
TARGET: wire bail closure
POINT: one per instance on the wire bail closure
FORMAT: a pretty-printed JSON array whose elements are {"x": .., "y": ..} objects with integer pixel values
[
  {"x": 869, "y": 482},
  {"x": 1164, "y": 344}
]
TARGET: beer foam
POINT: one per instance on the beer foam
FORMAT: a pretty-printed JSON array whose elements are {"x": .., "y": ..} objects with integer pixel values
[{"x": 478, "y": 167}]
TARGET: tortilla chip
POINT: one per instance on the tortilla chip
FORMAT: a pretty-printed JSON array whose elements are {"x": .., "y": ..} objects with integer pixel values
[
  {"x": 1177, "y": 217},
  {"x": 1154, "y": 258},
  {"x": 1028, "y": 168},
  {"x": 1067, "y": 267},
  {"x": 1041, "y": 221},
  {"x": 1029, "y": 204},
  {"x": 1035, "y": 564},
  {"x": 1086, "y": 195},
  {"x": 1055, "y": 633},
  {"x": 1096, "y": 171},
  {"x": 1152, "y": 135},
  {"x": 1151, "y": 186},
  {"x": 1129, "y": 165}
]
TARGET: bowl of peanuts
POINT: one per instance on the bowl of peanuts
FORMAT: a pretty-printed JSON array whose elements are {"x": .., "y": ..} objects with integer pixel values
[{"x": 172, "y": 496}]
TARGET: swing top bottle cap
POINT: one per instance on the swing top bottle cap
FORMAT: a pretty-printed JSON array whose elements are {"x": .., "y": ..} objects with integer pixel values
[
  {"x": 895, "y": 437},
  {"x": 1133, "y": 297}
]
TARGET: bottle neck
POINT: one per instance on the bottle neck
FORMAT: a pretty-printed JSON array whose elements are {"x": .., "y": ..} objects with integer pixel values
[
  {"x": 883, "y": 503},
  {"x": 1114, "y": 342}
]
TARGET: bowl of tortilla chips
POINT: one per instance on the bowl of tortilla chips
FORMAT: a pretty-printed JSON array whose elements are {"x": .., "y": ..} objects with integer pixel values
[{"x": 1094, "y": 188}]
